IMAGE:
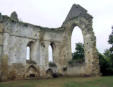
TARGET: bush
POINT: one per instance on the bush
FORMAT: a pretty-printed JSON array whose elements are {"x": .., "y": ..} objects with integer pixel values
[
  {"x": 78, "y": 55},
  {"x": 105, "y": 66}
]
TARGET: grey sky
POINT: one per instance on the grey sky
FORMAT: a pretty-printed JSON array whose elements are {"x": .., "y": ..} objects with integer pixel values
[{"x": 52, "y": 13}]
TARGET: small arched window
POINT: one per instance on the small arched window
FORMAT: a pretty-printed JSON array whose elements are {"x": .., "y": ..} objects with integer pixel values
[
  {"x": 50, "y": 54},
  {"x": 28, "y": 50}
]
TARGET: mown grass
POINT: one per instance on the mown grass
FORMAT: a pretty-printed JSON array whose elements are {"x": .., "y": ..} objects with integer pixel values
[{"x": 63, "y": 82}]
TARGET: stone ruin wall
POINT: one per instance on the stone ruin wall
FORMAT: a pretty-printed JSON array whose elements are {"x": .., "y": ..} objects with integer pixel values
[{"x": 16, "y": 35}]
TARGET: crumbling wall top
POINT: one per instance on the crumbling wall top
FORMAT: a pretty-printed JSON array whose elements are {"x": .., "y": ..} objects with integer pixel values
[
  {"x": 76, "y": 11},
  {"x": 13, "y": 21},
  {"x": 14, "y": 16},
  {"x": 0, "y": 16}
]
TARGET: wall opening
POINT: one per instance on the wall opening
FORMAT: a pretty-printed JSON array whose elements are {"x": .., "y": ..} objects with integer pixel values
[
  {"x": 51, "y": 61},
  {"x": 28, "y": 53},
  {"x": 32, "y": 72},
  {"x": 32, "y": 75},
  {"x": 28, "y": 50},
  {"x": 77, "y": 46},
  {"x": 50, "y": 53},
  {"x": 76, "y": 37}
]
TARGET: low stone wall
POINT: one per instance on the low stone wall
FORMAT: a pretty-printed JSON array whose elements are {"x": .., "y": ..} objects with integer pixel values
[{"x": 78, "y": 70}]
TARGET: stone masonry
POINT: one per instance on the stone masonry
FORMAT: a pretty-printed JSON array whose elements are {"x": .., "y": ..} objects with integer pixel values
[{"x": 16, "y": 36}]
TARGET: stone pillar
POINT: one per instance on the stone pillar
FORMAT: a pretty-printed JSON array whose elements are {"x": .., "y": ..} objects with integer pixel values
[
  {"x": 5, "y": 44},
  {"x": 91, "y": 56},
  {"x": 1, "y": 42},
  {"x": 46, "y": 54},
  {"x": 57, "y": 58},
  {"x": 67, "y": 42},
  {"x": 35, "y": 52},
  {"x": 4, "y": 60},
  {"x": 60, "y": 57},
  {"x": 4, "y": 69},
  {"x": 43, "y": 58}
]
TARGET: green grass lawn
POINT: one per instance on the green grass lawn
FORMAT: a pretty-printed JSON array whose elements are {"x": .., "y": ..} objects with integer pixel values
[{"x": 63, "y": 82}]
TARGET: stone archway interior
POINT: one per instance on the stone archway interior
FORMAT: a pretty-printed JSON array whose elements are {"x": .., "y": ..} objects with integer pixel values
[{"x": 32, "y": 72}]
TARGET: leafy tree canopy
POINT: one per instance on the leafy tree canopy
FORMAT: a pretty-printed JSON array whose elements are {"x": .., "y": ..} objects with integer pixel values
[{"x": 79, "y": 53}]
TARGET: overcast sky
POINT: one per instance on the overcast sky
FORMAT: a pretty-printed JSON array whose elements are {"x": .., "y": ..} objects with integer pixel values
[{"x": 52, "y": 13}]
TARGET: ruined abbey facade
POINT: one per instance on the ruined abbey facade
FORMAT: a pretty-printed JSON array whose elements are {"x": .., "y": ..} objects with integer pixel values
[{"x": 16, "y": 36}]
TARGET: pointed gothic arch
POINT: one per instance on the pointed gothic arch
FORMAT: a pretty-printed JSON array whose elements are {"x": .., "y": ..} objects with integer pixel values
[{"x": 79, "y": 17}]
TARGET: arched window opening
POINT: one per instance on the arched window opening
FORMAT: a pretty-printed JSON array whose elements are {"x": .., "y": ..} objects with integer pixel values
[
  {"x": 28, "y": 53},
  {"x": 28, "y": 50},
  {"x": 52, "y": 45},
  {"x": 77, "y": 46},
  {"x": 50, "y": 52},
  {"x": 76, "y": 37}
]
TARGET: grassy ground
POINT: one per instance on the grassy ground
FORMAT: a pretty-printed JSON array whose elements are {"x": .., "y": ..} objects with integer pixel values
[{"x": 63, "y": 82}]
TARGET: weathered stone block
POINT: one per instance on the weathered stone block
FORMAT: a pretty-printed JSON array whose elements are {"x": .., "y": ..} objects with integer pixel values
[
  {"x": 12, "y": 74},
  {"x": 0, "y": 52},
  {"x": 0, "y": 17},
  {"x": 1, "y": 39},
  {"x": 1, "y": 28},
  {"x": 4, "y": 70}
]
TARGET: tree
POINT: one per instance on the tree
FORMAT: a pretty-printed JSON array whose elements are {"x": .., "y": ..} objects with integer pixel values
[
  {"x": 107, "y": 55},
  {"x": 105, "y": 65},
  {"x": 106, "y": 60},
  {"x": 111, "y": 38},
  {"x": 110, "y": 41},
  {"x": 78, "y": 55}
]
